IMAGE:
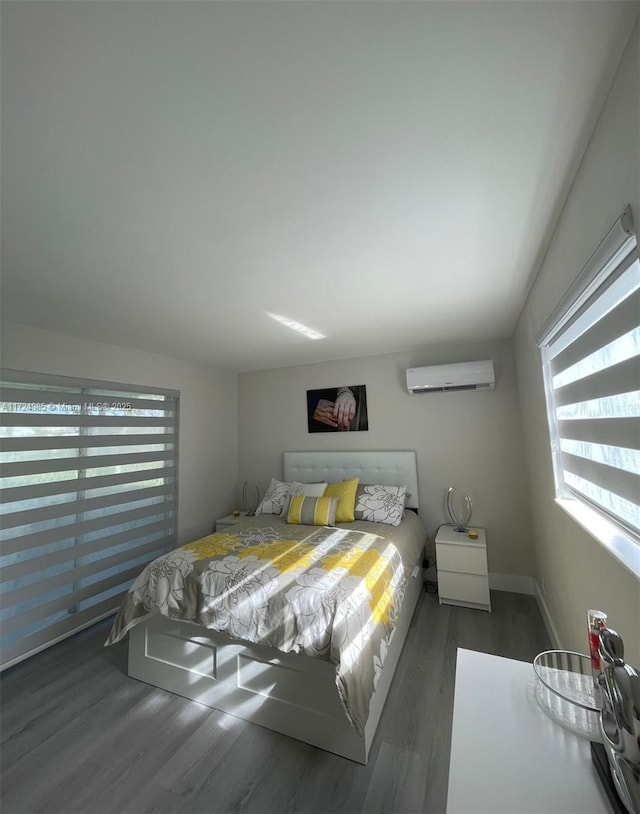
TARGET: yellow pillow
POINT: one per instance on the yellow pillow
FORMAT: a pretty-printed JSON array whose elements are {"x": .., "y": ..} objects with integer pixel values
[
  {"x": 312, "y": 511},
  {"x": 345, "y": 490}
]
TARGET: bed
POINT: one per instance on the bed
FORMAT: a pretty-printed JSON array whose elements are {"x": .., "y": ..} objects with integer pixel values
[{"x": 321, "y": 681}]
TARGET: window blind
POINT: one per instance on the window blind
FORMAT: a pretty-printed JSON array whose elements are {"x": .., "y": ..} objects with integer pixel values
[
  {"x": 591, "y": 360},
  {"x": 88, "y": 473}
]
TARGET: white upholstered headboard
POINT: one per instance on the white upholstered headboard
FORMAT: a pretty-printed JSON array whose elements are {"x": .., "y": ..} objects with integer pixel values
[{"x": 388, "y": 467}]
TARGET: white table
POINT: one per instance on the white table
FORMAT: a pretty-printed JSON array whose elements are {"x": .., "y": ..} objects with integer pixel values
[{"x": 507, "y": 755}]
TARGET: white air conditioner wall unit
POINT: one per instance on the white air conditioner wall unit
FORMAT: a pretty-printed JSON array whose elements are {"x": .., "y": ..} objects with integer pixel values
[{"x": 448, "y": 378}]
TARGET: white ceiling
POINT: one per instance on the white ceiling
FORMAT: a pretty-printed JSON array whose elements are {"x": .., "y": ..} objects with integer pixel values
[{"x": 387, "y": 173}]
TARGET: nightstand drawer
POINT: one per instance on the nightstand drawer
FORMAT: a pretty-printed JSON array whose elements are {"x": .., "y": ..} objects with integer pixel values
[
  {"x": 471, "y": 588},
  {"x": 466, "y": 559}
]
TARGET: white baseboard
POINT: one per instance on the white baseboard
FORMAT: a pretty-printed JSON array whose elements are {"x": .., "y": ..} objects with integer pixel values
[
  {"x": 511, "y": 582},
  {"x": 527, "y": 585},
  {"x": 546, "y": 618}
]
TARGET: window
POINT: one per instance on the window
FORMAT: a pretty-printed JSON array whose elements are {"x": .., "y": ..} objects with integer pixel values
[
  {"x": 88, "y": 476},
  {"x": 590, "y": 353}
]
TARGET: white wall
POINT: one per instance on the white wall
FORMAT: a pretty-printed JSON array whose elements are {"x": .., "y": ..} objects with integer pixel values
[
  {"x": 208, "y": 410},
  {"x": 578, "y": 572},
  {"x": 470, "y": 439}
]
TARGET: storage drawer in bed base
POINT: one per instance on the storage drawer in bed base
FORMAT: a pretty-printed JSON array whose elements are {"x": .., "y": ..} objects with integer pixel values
[{"x": 294, "y": 695}]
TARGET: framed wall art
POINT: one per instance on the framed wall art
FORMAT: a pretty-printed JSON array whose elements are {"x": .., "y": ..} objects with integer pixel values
[{"x": 338, "y": 409}]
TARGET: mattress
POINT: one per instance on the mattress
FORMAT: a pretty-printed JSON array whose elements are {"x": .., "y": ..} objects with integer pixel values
[{"x": 334, "y": 593}]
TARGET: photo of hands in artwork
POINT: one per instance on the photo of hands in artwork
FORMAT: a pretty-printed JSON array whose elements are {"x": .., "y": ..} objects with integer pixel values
[{"x": 338, "y": 409}]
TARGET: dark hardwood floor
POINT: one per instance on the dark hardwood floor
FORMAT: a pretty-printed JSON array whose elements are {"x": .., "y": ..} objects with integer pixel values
[{"x": 78, "y": 735}]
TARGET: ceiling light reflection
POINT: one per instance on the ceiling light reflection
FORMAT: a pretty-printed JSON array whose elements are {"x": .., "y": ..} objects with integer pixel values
[{"x": 296, "y": 326}]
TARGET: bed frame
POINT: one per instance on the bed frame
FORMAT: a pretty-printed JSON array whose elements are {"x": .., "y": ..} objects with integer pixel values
[{"x": 288, "y": 693}]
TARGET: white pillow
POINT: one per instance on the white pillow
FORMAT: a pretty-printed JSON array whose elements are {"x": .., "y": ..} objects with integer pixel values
[
  {"x": 314, "y": 489},
  {"x": 309, "y": 490}
]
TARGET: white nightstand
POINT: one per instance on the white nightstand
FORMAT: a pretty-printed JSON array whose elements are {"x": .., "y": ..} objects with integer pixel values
[
  {"x": 223, "y": 523},
  {"x": 463, "y": 575}
]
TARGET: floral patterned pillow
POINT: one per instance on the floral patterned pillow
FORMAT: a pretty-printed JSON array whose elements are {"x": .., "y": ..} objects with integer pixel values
[
  {"x": 277, "y": 495},
  {"x": 380, "y": 504}
]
